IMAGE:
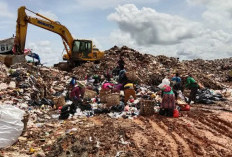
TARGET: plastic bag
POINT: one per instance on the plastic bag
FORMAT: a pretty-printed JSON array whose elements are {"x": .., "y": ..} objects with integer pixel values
[
  {"x": 11, "y": 124},
  {"x": 165, "y": 81},
  {"x": 175, "y": 113},
  {"x": 180, "y": 95}
]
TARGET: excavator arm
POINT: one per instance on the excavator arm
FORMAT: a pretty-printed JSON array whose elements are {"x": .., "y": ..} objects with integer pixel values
[
  {"x": 77, "y": 50},
  {"x": 43, "y": 22}
]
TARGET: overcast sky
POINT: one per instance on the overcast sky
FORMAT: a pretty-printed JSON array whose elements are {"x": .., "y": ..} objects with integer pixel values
[{"x": 186, "y": 29}]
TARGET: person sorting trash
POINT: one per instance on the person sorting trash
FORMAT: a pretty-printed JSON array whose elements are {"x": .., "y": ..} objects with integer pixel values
[
  {"x": 34, "y": 56},
  {"x": 193, "y": 86},
  {"x": 176, "y": 82},
  {"x": 78, "y": 90},
  {"x": 168, "y": 99}
]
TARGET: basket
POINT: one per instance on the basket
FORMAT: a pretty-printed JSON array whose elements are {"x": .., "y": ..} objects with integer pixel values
[
  {"x": 113, "y": 99},
  {"x": 131, "y": 76},
  {"x": 89, "y": 94},
  {"x": 147, "y": 107},
  {"x": 59, "y": 101},
  {"x": 103, "y": 95}
]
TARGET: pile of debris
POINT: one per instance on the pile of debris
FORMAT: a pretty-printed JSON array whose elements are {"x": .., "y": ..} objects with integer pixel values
[
  {"x": 30, "y": 83},
  {"x": 150, "y": 70},
  {"x": 210, "y": 72},
  {"x": 44, "y": 94}
]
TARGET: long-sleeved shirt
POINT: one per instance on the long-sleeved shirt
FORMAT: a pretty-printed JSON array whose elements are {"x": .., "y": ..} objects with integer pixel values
[
  {"x": 167, "y": 90},
  {"x": 177, "y": 79},
  {"x": 35, "y": 56},
  {"x": 191, "y": 83},
  {"x": 77, "y": 93}
]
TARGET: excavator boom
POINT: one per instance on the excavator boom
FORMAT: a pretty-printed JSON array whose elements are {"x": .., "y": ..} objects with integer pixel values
[{"x": 77, "y": 50}]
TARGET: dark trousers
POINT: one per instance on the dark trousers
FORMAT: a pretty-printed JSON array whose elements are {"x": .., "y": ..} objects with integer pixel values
[
  {"x": 176, "y": 87},
  {"x": 193, "y": 94},
  {"x": 176, "y": 94},
  {"x": 166, "y": 112}
]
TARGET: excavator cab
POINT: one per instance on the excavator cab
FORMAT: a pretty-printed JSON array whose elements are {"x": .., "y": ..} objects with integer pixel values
[{"x": 82, "y": 49}]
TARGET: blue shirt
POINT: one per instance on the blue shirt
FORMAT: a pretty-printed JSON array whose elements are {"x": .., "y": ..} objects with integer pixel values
[
  {"x": 35, "y": 56},
  {"x": 177, "y": 79}
]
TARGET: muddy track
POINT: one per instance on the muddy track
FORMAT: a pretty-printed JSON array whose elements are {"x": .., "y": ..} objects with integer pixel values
[
  {"x": 213, "y": 131},
  {"x": 195, "y": 133},
  {"x": 198, "y": 132}
]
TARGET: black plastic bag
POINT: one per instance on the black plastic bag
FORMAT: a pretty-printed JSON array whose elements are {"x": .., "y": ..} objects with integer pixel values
[{"x": 101, "y": 111}]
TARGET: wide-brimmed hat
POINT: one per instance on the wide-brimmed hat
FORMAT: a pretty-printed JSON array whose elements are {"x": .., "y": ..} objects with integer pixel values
[{"x": 81, "y": 84}]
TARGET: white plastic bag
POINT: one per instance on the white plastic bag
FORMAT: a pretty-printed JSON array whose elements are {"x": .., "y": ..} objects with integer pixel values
[
  {"x": 180, "y": 95},
  {"x": 11, "y": 125},
  {"x": 165, "y": 81}
]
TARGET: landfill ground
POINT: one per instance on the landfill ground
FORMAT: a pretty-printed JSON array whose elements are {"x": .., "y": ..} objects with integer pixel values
[{"x": 203, "y": 131}]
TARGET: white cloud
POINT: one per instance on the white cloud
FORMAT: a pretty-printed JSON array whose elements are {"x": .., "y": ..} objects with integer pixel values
[
  {"x": 121, "y": 38},
  {"x": 148, "y": 26},
  {"x": 217, "y": 14},
  {"x": 44, "y": 43},
  {"x": 5, "y": 11},
  {"x": 158, "y": 33}
]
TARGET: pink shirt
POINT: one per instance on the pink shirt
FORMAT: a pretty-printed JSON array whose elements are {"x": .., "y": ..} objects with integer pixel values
[
  {"x": 105, "y": 86},
  {"x": 77, "y": 92}
]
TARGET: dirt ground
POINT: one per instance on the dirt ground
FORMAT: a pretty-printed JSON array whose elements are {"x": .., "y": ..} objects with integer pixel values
[{"x": 206, "y": 130}]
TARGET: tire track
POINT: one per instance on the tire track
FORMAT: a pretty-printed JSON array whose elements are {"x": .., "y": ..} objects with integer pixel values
[
  {"x": 184, "y": 149},
  {"x": 205, "y": 130},
  {"x": 208, "y": 122},
  {"x": 154, "y": 143},
  {"x": 213, "y": 136},
  {"x": 165, "y": 135},
  {"x": 200, "y": 125},
  {"x": 214, "y": 123},
  {"x": 197, "y": 144},
  {"x": 228, "y": 124}
]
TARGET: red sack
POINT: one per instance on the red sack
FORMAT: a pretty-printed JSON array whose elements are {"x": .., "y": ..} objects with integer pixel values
[
  {"x": 175, "y": 113},
  {"x": 186, "y": 108}
]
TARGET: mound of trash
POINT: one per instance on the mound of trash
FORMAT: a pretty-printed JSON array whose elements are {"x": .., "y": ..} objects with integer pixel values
[
  {"x": 54, "y": 125},
  {"x": 150, "y": 70}
]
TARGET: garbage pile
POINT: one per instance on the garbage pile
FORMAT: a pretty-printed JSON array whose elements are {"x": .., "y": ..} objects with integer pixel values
[
  {"x": 144, "y": 68},
  {"x": 206, "y": 96},
  {"x": 212, "y": 72},
  {"x": 43, "y": 93},
  {"x": 30, "y": 84},
  {"x": 150, "y": 70}
]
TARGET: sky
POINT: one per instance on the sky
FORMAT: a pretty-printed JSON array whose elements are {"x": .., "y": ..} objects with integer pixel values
[{"x": 188, "y": 29}]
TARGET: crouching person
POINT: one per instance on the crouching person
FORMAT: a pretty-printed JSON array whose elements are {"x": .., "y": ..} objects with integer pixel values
[
  {"x": 76, "y": 95},
  {"x": 168, "y": 101}
]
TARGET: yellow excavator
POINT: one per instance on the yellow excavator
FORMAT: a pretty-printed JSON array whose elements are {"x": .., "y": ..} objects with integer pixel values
[{"x": 77, "y": 50}]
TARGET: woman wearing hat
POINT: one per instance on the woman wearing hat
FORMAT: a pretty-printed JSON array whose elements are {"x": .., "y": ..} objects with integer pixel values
[
  {"x": 168, "y": 100},
  {"x": 78, "y": 90}
]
